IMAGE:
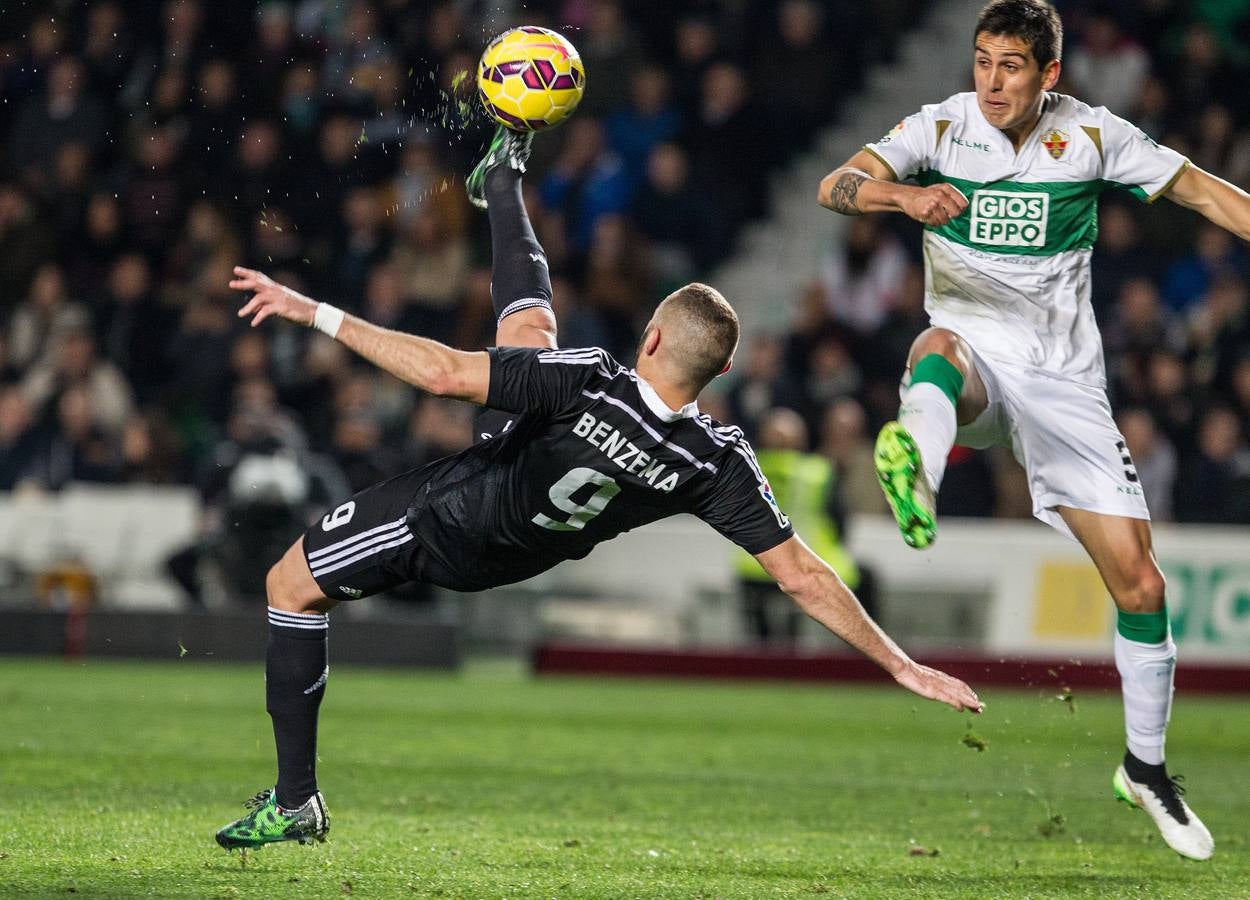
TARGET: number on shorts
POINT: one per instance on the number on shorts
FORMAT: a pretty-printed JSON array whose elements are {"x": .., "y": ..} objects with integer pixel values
[
  {"x": 340, "y": 516},
  {"x": 561, "y": 494}
]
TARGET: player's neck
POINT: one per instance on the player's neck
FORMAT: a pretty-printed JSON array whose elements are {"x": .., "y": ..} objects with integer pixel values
[
  {"x": 673, "y": 396},
  {"x": 1017, "y": 134}
]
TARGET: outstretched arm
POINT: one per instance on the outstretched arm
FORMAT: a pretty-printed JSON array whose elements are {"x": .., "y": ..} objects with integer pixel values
[
  {"x": 865, "y": 184},
  {"x": 822, "y": 595},
  {"x": 1222, "y": 203},
  {"x": 427, "y": 364}
]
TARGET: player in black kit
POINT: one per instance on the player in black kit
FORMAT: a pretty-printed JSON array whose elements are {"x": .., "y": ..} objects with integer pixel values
[{"x": 578, "y": 449}]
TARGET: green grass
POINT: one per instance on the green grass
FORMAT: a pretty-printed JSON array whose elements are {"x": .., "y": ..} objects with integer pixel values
[{"x": 113, "y": 778}]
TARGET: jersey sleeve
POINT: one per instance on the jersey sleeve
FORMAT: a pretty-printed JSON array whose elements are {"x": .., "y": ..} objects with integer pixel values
[
  {"x": 907, "y": 147},
  {"x": 1132, "y": 160},
  {"x": 740, "y": 504},
  {"x": 526, "y": 379}
]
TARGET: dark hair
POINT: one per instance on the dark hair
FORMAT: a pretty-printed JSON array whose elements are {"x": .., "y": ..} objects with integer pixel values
[
  {"x": 1033, "y": 21},
  {"x": 706, "y": 330}
]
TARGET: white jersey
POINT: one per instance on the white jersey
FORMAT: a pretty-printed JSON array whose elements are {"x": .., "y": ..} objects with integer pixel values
[{"x": 1011, "y": 274}]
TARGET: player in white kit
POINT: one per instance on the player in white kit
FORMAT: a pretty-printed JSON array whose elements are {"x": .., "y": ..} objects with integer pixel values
[{"x": 1007, "y": 180}]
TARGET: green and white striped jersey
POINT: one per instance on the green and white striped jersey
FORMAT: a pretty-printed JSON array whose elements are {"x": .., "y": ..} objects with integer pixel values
[{"x": 1011, "y": 274}]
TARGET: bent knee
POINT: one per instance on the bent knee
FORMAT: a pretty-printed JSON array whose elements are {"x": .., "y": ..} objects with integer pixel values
[
  {"x": 287, "y": 584},
  {"x": 942, "y": 342},
  {"x": 1145, "y": 592}
]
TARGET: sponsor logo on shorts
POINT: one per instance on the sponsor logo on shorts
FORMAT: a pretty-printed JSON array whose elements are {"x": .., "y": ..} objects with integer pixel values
[
  {"x": 354, "y": 593},
  {"x": 1009, "y": 218}
]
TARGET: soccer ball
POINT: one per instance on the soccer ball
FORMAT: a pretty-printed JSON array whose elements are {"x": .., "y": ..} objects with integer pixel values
[{"x": 530, "y": 78}]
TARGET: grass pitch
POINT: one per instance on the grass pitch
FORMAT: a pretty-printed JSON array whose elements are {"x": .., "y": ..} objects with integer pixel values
[{"x": 114, "y": 776}]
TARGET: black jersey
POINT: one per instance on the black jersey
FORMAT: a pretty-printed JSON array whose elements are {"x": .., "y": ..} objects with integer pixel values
[{"x": 595, "y": 454}]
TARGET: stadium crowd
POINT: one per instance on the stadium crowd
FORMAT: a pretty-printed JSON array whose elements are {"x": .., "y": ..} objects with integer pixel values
[{"x": 147, "y": 147}]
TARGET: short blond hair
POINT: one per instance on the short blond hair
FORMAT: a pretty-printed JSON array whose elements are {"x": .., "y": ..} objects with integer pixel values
[{"x": 703, "y": 328}]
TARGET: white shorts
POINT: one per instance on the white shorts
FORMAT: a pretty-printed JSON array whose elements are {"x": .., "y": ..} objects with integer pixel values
[{"x": 1064, "y": 435}]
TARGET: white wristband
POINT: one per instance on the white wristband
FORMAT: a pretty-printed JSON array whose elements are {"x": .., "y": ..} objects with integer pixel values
[{"x": 328, "y": 319}]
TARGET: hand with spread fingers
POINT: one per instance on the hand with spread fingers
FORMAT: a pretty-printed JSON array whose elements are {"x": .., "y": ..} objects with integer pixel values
[
  {"x": 934, "y": 685},
  {"x": 271, "y": 299}
]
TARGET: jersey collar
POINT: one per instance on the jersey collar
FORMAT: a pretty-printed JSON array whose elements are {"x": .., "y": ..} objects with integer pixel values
[{"x": 662, "y": 409}]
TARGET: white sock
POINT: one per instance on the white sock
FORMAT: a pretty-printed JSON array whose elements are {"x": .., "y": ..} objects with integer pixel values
[
  {"x": 1146, "y": 676},
  {"x": 928, "y": 414}
]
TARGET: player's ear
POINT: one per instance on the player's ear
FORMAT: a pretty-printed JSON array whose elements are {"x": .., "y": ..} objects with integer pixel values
[
  {"x": 651, "y": 342},
  {"x": 729, "y": 365},
  {"x": 1050, "y": 75}
]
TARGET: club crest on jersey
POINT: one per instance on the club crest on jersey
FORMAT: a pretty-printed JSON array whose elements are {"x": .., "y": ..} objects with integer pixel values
[
  {"x": 1055, "y": 142},
  {"x": 766, "y": 491}
]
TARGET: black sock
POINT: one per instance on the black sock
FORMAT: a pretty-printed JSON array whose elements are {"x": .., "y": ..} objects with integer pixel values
[
  {"x": 296, "y": 668},
  {"x": 519, "y": 278},
  {"x": 1144, "y": 773}
]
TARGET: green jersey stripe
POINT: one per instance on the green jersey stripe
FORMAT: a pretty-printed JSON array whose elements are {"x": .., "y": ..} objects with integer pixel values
[{"x": 1038, "y": 218}]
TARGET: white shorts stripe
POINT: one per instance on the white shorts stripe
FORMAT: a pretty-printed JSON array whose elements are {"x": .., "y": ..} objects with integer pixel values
[
  {"x": 395, "y": 532},
  {"x": 352, "y": 540},
  {"x": 318, "y": 572}
]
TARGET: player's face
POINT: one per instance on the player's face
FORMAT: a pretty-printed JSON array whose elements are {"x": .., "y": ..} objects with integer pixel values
[{"x": 1008, "y": 80}]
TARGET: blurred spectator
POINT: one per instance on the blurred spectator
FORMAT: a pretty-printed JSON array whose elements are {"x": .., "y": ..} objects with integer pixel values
[
  {"x": 1118, "y": 256},
  {"x": 904, "y": 319},
  {"x": 586, "y": 182},
  {"x": 648, "y": 121},
  {"x": 727, "y": 144},
  {"x": 75, "y": 366},
  {"x": 78, "y": 448},
  {"x": 364, "y": 245},
  {"x": 21, "y": 444},
  {"x": 1154, "y": 460},
  {"x": 135, "y": 328},
  {"x": 26, "y": 241},
  {"x": 618, "y": 285},
  {"x": 970, "y": 485},
  {"x": 436, "y": 428},
  {"x": 1107, "y": 66},
  {"x": 65, "y": 114},
  {"x": 612, "y": 51},
  {"x": 1215, "y": 253},
  {"x": 683, "y": 223},
  {"x": 845, "y": 440},
  {"x": 154, "y": 194},
  {"x": 761, "y": 384},
  {"x": 862, "y": 275},
  {"x": 1139, "y": 323},
  {"x": 214, "y": 124},
  {"x": 1215, "y": 486},
  {"x": 802, "y": 69},
  {"x": 431, "y": 261},
  {"x": 39, "y": 323},
  {"x": 807, "y": 490},
  {"x": 697, "y": 45}
]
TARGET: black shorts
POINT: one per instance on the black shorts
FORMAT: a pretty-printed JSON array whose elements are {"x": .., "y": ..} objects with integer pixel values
[{"x": 366, "y": 546}]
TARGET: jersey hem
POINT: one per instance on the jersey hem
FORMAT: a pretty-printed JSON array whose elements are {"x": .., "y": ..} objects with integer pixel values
[
  {"x": 1171, "y": 182},
  {"x": 881, "y": 159}
]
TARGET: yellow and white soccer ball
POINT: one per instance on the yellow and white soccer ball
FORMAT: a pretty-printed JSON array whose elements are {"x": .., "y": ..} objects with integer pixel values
[{"x": 530, "y": 78}]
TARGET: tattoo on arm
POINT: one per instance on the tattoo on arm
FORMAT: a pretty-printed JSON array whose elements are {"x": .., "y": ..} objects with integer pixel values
[{"x": 845, "y": 190}]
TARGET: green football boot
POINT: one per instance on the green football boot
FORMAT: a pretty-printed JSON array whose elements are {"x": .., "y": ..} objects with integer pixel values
[
  {"x": 268, "y": 823},
  {"x": 906, "y": 486},
  {"x": 507, "y": 147}
]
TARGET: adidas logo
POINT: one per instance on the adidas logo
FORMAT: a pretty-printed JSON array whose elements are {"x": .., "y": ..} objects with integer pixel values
[{"x": 354, "y": 593}]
